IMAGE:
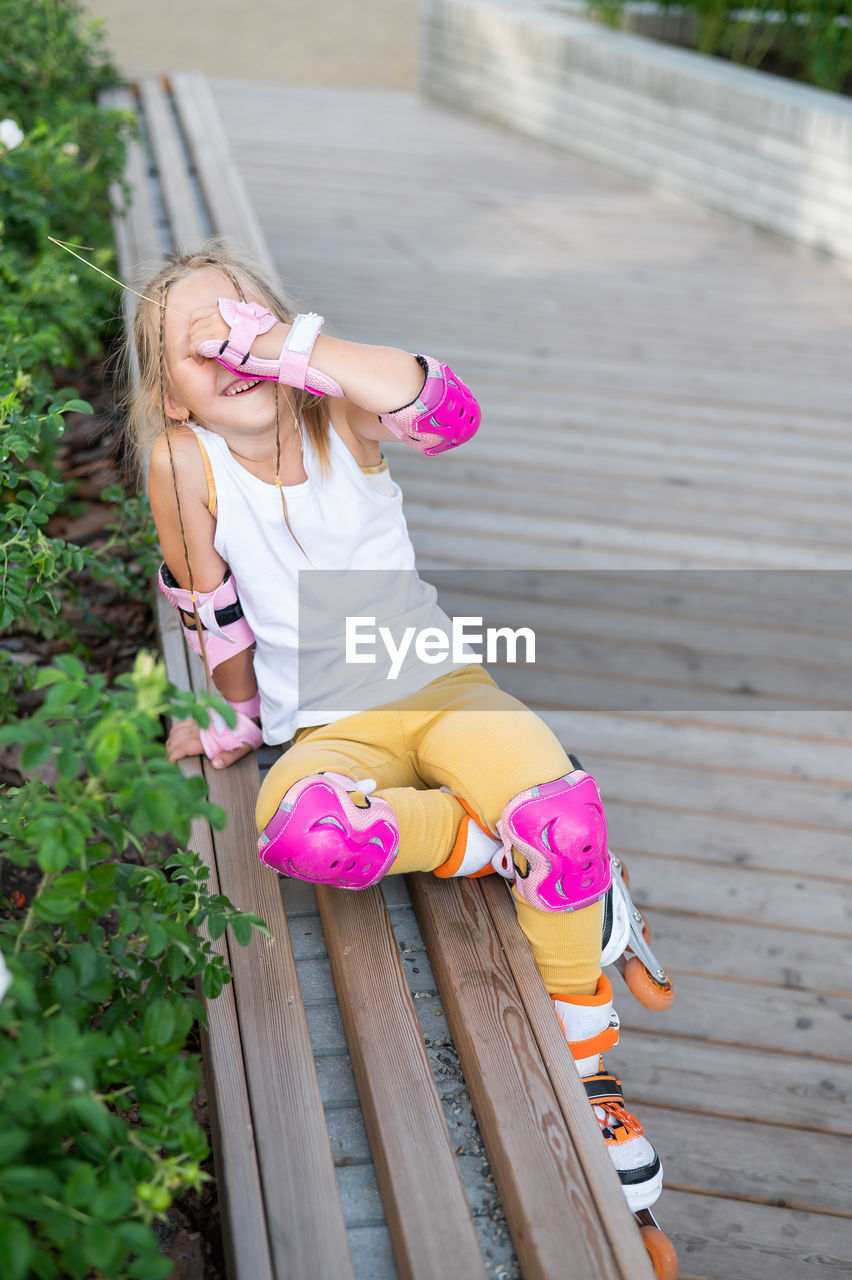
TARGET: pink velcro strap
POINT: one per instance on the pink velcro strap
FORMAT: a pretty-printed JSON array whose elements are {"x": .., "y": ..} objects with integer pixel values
[
  {"x": 247, "y": 320},
  {"x": 217, "y": 737},
  {"x": 443, "y": 416},
  {"x": 226, "y": 631}
]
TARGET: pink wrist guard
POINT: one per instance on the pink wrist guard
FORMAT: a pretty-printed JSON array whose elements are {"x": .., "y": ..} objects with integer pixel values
[
  {"x": 226, "y": 631},
  {"x": 246, "y": 320},
  {"x": 250, "y": 708},
  {"x": 443, "y": 416},
  {"x": 217, "y": 737}
]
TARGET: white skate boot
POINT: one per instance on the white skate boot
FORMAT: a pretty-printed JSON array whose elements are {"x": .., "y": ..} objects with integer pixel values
[{"x": 591, "y": 1027}]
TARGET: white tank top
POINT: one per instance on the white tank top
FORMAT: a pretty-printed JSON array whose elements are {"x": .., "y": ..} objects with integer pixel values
[{"x": 344, "y": 525}]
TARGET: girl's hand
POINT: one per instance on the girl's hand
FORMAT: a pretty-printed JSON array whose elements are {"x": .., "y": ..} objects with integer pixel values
[
  {"x": 185, "y": 740},
  {"x": 207, "y": 325}
]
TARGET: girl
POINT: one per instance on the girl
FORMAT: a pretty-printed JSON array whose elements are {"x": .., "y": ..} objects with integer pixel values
[{"x": 254, "y": 477}]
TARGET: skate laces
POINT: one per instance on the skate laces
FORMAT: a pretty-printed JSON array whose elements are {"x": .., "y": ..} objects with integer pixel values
[
  {"x": 615, "y": 1117},
  {"x": 617, "y": 1123}
]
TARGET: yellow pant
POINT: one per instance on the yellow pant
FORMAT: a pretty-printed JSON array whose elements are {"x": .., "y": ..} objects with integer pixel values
[{"x": 464, "y": 733}]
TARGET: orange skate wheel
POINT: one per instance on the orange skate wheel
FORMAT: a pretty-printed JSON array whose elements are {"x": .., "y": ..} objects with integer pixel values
[
  {"x": 661, "y": 1252},
  {"x": 625, "y": 876},
  {"x": 653, "y": 995}
]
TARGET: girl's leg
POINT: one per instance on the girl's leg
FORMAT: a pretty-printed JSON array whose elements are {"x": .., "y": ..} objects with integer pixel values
[
  {"x": 487, "y": 747},
  {"x": 490, "y": 748},
  {"x": 369, "y": 745}
]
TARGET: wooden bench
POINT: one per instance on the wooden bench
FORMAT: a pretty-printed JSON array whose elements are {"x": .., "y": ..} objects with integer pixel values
[{"x": 281, "y": 1209}]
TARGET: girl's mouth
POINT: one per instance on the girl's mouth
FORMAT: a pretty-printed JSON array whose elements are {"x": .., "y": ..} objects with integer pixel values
[{"x": 238, "y": 388}]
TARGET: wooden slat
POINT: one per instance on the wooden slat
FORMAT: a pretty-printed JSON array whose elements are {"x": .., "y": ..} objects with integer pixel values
[
  {"x": 185, "y": 221},
  {"x": 230, "y": 209},
  {"x": 304, "y": 1216},
  {"x": 740, "y": 1159},
  {"x": 232, "y": 1132},
  {"x": 134, "y": 221},
  {"x": 283, "y": 1218},
  {"x": 235, "y": 1153},
  {"x": 564, "y": 1222},
  {"x": 595, "y": 1161},
  {"x": 696, "y": 1076},
  {"x": 425, "y": 1205},
  {"x": 731, "y": 1240}
]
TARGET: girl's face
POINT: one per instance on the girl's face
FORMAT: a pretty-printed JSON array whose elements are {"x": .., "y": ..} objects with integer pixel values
[{"x": 203, "y": 388}]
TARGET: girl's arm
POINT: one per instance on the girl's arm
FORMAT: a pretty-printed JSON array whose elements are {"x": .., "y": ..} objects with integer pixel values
[
  {"x": 420, "y": 401},
  {"x": 234, "y": 678},
  {"x": 376, "y": 379}
]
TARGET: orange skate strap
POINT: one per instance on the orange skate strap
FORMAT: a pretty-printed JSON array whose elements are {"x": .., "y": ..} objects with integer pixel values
[{"x": 599, "y": 1044}]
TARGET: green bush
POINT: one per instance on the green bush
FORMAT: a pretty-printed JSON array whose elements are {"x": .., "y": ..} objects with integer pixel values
[
  {"x": 108, "y": 954},
  {"x": 50, "y": 58},
  {"x": 807, "y": 39},
  {"x": 95, "y": 1091},
  {"x": 58, "y": 154}
]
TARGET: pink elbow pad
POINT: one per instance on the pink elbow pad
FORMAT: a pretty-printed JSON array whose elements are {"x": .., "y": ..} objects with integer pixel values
[
  {"x": 248, "y": 319},
  {"x": 226, "y": 631},
  {"x": 443, "y": 416}
]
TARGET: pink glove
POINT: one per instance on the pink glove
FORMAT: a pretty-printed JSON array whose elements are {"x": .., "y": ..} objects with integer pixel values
[{"x": 217, "y": 737}]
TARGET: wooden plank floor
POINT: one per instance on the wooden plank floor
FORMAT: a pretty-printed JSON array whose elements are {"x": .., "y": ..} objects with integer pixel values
[{"x": 663, "y": 390}]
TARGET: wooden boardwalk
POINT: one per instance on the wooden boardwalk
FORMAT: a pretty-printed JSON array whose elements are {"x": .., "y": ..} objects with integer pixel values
[{"x": 663, "y": 390}]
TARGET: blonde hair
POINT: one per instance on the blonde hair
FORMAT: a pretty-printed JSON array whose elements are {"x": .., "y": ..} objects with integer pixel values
[
  {"x": 146, "y": 366},
  {"x": 147, "y": 374}
]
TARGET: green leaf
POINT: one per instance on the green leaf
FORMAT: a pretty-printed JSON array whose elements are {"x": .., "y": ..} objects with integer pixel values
[
  {"x": 176, "y": 963},
  {"x": 157, "y": 939},
  {"x": 212, "y": 983},
  {"x": 62, "y": 899},
  {"x": 19, "y": 1179},
  {"x": 14, "y": 1142},
  {"x": 63, "y": 985},
  {"x": 113, "y": 1201},
  {"x": 108, "y": 750},
  {"x": 72, "y": 406},
  {"x": 158, "y": 1026},
  {"x": 68, "y": 764},
  {"x": 15, "y": 1249},
  {"x": 52, "y": 855},
  {"x": 242, "y": 929},
  {"x": 102, "y": 1244},
  {"x": 43, "y": 1267},
  {"x": 81, "y": 1186},
  {"x": 152, "y": 1267},
  {"x": 34, "y": 754}
]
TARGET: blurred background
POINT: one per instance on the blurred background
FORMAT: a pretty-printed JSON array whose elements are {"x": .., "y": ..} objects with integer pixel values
[{"x": 369, "y": 45}]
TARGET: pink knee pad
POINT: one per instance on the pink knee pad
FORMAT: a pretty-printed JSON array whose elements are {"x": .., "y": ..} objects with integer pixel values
[
  {"x": 560, "y": 829},
  {"x": 319, "y": 834}
]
